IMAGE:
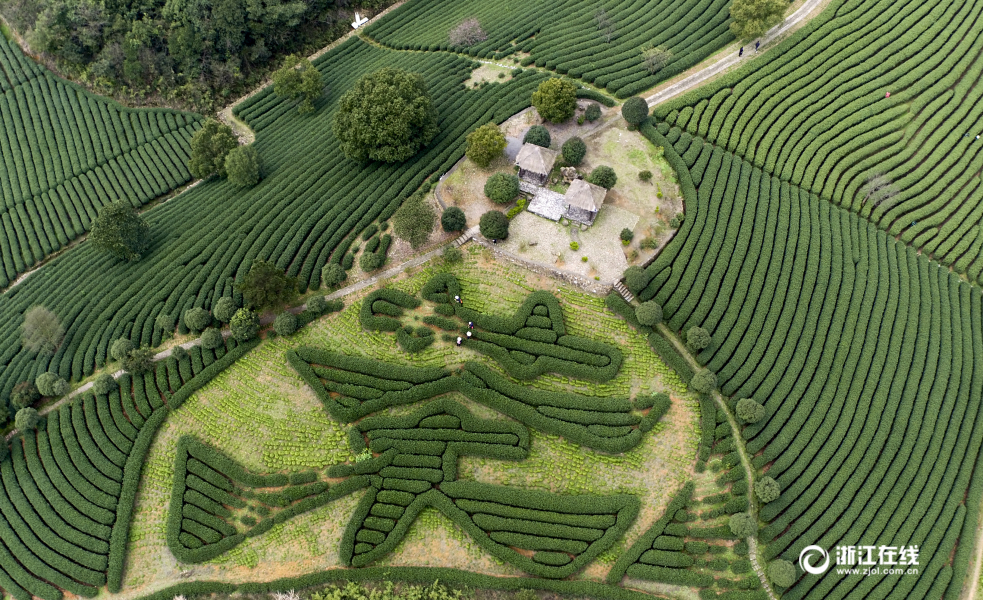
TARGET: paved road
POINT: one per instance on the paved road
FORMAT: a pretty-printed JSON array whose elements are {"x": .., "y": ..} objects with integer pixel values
[{"x": 698, "y": 78}]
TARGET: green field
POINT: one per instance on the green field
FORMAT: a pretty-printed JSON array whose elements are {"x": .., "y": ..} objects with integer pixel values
[
  {"x": 65, "y": 153},
  {"x": 566, "y": 37},
  {"x": 816, "y": 113}
]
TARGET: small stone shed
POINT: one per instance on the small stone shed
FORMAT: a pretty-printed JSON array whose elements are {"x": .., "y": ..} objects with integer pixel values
[
  {"x": 535, "y": 163},
  {"x": 583, "y": 201}
]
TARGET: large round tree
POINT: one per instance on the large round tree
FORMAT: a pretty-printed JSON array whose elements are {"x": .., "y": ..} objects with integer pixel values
[
  {"x": 120, "y": 231},
  {"x": 555, "y": 99},
  {"x": 387, "y": 116}
]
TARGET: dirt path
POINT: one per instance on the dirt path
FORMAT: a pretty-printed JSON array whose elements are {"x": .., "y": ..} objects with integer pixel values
[
  {"x": 971, "y": 589},
  {"x": 703, "y": 74},
  {"x": 745, "y": 460}
]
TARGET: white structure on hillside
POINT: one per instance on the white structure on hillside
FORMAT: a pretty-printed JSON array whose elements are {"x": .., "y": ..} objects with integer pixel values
[{"x": 359, "y": 21}]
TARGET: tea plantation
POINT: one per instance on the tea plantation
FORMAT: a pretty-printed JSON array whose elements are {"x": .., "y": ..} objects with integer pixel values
[
  {"x": 799, "y": 368},
  {"x": 66, "y": 152}
]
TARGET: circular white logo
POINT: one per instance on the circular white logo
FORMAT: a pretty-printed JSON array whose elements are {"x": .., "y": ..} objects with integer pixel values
[{"x": 813, "y": 552}]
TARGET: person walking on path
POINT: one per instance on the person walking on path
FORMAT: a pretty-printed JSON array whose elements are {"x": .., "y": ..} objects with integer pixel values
[
  {"x": 741, "y": 52},
  {"x": 757, "y": 45}
]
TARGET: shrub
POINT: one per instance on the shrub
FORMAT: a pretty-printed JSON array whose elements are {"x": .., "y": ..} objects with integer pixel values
[
  {"x": 243, "y": 166},
  {"x": 649, "y": 313},
  {"x": 104, "y": 384},
  {"x": 414, "y": 220},
  {"x": 210, "y": 145},
  {"x": 494, "y": 225},
  {"x": 24, "y": 394},
  {"x": 751, "y": 18},
  {"x": 635, "y": 110},
  {"x": 580, "y": 120},
  {"x": 50, "y": 384},
  {"x": 485, "y": 144},
  {"x": 467, "y": 33},
  {"x": 317, "y": 305},
  {"x": 749, "y": 411},
  {"x": 645, "y": 175},
  {"x": 453, "y": 219},
  {"x": 635, "y": 279},
  {"x": 118, "y": 230},
  {"x": 408, "y": 124},
  {"x": 452, "y": 255},
  {"x": 41, "y": 332},
  {"x": 555, "y": 99},
  {"x": 370, "y": 261},
  {"x": 299, "y": 81},
  {"x": 742, "y": 525},
  {"x": 593, "y": 112},
  {"x": 704, "y": 382},
  {"x": 266, "y": 287},
  {"x": 197, "y": 319},
  {"x": 139, "y": 361},
  {"x": 626, "y": 235},
  {"x": 782, "y": 573},
  {"x": 574, "y": 150},
  {"x": 766, "y": 489},
  {"x": 574, "y": 246},
  {"x": 538, "y": 135},
  {"x": 697, "y": 338},
  {"x": 26, "y": 419},
  {"x": 332, "y": 275},
  {"x": 179, "y": 353},
  {"x": 224, "y": 309},
  {"x": 501, "y": 188},
  {"x": 285, "y": 324},
  {"x": 244, "y": 325},
  {"x": 675, "y": 222},
  {"x": 165, "y": 323},
  {"x": 121, "y": 348},
  {"x": 648, "y": 243},
  {"x": 211, "y": 339},
  {"x": 603, "y": 176}
]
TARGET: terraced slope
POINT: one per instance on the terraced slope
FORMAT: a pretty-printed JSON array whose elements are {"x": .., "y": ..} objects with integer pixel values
[
  {"x": 68, "y": 489},
  {"x": 866, "y": 355},
  {"x": 565, "y": 36},
  {"x": 870, "y": 87},
  {"x": 64, "y": 153},
  {"x": 309, "y": 209}
]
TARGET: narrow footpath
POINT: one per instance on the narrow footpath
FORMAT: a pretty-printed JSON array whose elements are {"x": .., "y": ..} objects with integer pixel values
[{"x": 752, "y": 541}]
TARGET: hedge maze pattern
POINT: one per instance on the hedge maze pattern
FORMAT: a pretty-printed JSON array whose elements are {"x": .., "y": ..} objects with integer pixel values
[
  {"x": 64, "y": 153},
  {"x": 816, "y": 114},
  {"x": 409, "y": 462},
  {"x": 69, "y": 487},
  {"x": 310, "y": 209},
  {"x": 216, "y": 503},
  {"x": 566, "y": 37},
  {"x": 860, "y": 349}
]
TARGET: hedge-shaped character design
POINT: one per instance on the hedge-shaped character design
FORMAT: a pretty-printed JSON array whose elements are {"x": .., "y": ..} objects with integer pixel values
[
  {"x": 414, "y": 466},
  {"x": 352, "y": 387},
  {"x": 216, "y": 503}
]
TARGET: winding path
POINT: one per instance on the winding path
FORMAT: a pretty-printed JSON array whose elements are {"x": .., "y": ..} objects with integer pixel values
[{"x": 701, "y": 75}]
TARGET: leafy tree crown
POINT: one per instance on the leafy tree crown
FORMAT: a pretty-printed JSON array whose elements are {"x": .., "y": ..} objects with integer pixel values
[{"x": 120, "y": 231}]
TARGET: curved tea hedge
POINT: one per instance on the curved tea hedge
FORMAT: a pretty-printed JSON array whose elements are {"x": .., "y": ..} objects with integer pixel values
[
  {"x": 866, "y": 355},
  {"x": 532, "y": 342},
  {"x": 69, "y": 487},
  {"x": 308, "y": 210},
  {"x": 564, "y": 36},
  {"x": 64, "y": 153},
  {"x": 815, "y": 112},
  {"x": 415, "y": 466}
]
